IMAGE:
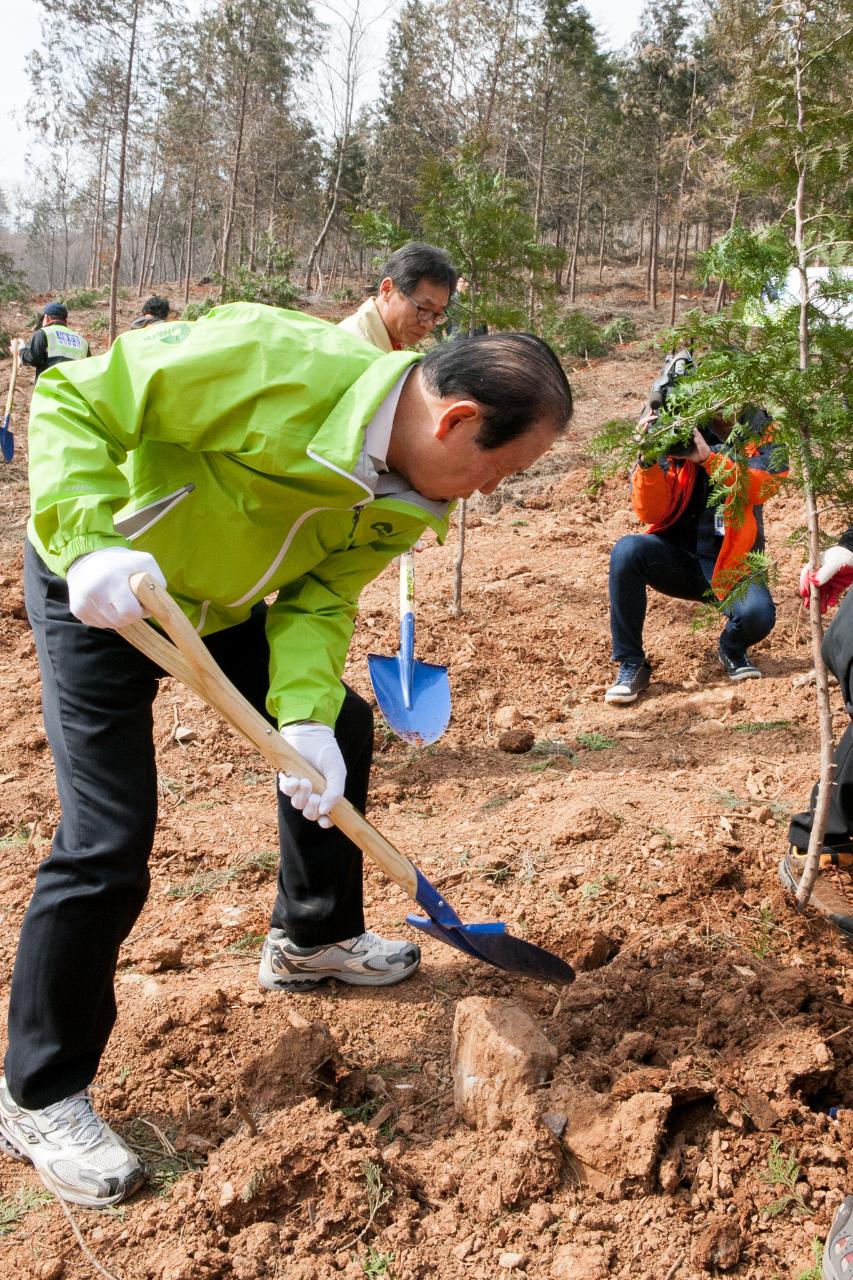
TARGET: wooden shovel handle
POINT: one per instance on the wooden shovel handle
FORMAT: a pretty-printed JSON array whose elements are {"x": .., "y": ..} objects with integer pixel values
[
  {"x": 189, "y": 661},
  {"x": 13, "y": 351}
]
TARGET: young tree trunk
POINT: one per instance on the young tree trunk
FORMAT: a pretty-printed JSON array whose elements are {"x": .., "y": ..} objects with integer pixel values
[
  {"x": 573, "y": 267},
  {"x": 682, "y": 183},
  {"x": 190, "y": 230},
  {"x": 720, "y": 299},
  {"x": 122, "y": 166},
  {"x": 827, "y": 764},
  {"x": 540, "y": 178},
  {"x": 601, "y": 235}
]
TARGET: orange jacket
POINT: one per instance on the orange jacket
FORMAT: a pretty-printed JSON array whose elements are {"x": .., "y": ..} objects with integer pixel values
[{"x": 660, "y": 495}]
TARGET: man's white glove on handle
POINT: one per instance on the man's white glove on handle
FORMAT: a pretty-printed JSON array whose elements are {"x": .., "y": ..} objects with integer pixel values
[
  {"x": 316, "y": 743},
  {"x": 99, "y": 592}
]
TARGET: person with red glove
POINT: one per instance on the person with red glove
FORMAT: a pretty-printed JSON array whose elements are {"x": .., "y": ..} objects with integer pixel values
[{"x": 832, "y": 894}]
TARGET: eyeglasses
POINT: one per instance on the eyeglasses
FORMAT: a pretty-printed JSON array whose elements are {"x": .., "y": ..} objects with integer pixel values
[{"x": 425, "y": 314}]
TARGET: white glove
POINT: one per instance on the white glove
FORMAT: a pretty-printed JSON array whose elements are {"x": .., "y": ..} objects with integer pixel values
[
  {"x": 316, "y": 744},
  {"x": 99, "y": 592}
]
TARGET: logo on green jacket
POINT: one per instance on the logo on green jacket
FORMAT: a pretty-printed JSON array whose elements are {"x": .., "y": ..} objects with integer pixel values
[
  {"x": 171, "y": 334},
  {"x": 384, "y": 530}
]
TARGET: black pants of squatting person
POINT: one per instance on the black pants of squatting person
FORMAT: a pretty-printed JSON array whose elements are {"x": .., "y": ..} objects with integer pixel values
[{"x": 97, "y": 694}]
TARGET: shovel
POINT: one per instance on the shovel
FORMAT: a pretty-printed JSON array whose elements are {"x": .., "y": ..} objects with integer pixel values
[
  {"x": 189, "y": 661},
  {"x": 7, "y": 440},
  {"x": 414, "y": 697}
]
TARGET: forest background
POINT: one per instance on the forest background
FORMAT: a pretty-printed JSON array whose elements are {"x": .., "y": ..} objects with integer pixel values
[{"x": 264, "y": 149}]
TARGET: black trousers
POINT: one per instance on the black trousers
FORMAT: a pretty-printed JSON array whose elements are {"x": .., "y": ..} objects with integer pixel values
[
  {"x": 97, "y": 693},
  {"x": 839, "y": 822}
]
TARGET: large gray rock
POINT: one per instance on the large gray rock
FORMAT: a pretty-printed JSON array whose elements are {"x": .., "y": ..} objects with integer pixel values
[{"x": 498, "y": 1054}]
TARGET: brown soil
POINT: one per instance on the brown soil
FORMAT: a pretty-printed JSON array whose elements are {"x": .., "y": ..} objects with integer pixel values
[{"x": 709, "y": 1024}]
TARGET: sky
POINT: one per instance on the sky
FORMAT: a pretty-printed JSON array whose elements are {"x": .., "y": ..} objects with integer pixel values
[{"x": 615, "y": 19}]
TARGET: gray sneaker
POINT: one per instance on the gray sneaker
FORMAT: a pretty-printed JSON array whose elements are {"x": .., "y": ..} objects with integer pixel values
[
  {"x": 365, "y": 961},
  {"x": 737, "y": 665},
  {"x": 74, "y": 1151},
  {"x": 632, "y": 679}
]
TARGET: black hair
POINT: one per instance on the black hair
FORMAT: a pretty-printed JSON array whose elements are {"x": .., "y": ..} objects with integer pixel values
[
  {"x": 155, "y": 306},
  {"x": 415, "y": 262},
  {"x": 515, "y": 378}
]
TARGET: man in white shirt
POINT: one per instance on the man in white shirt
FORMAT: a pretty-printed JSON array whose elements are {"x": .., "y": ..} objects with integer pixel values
[{"x": 416, "y": 285}]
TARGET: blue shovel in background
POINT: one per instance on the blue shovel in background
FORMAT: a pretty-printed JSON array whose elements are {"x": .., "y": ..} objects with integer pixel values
[
  {"x": 7, "y": 440},
  {"x": 414, "y": 697}
]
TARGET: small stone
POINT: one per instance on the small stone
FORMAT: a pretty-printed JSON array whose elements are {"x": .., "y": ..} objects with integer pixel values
[
  {"x": 510, "y": 1260},
  {"x": 464, "y": 1248},
  {"x": 718, "y": 1248},
  {"x": 507, "y": 717},
  {"x": 516, "y": 741},
  {"x": 556, "y": 1122}
]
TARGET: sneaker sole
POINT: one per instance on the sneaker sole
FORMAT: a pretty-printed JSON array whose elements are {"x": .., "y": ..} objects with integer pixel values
[
  {"x": 65, "y": 1193},
  {"x": 743, "y": 675},
  {"x": 788, "y": 882},
  {"x": 297, "y": 985},
  {"x": 621, "y": 699}
]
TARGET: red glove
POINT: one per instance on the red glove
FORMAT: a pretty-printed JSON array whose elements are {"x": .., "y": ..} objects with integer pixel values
[{"x": 833, "y": 577}]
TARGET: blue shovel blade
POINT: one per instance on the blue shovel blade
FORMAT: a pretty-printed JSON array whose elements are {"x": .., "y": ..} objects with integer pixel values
[
  {"x": 7, "y": 440},
  {"x": 488, "y": 942},
  {"x": 413, "y": 697}
]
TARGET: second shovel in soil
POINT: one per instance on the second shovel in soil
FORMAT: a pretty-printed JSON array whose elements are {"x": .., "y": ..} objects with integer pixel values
[{"x": 414, "y": 697}]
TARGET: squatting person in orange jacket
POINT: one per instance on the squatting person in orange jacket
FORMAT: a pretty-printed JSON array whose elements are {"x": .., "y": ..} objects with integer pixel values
[{"x": 692, "y": 549}]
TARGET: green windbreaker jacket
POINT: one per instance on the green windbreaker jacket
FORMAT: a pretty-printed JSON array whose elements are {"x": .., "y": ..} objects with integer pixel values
[{"x": 228, "y": 449}]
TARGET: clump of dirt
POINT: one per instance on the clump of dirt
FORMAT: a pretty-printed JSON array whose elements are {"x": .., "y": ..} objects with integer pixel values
[{"x": 686, "y": 1127}]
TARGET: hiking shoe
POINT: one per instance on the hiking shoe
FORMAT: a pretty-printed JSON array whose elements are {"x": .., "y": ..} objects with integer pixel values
[
  {"x": 838, "y": 1250},
  {"x": 75, "y": 1152},
  {"x": 633, "y": 678},
  {"x": 832, "y": 894},
  {"x": 738, "y": 665},
  {"x": 365, "y": 961}
]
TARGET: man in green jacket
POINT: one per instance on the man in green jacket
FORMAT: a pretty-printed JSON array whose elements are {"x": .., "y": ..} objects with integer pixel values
[{"x": 257, "y": 453}]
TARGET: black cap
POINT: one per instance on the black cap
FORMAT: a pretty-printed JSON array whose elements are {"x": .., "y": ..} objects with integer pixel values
[{"x": 56, "y": 311}]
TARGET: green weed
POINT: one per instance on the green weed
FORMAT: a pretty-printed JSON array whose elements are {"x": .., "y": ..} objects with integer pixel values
[
  {"x": 763, "y": 944},
  {"x": 497, "y": 802},
  {"x": 364, "y": 1112},
  {"x": 596, "y": 741},
  {"x": 17, "y": 836},
  {"x": 207, "y": 881},
  {"x": 253, "y": 1186},
  {"x": 592, "y": 889},
  {"x": 14, "y": 1208},
  {"x": 375, "y": 1263},
  {"x": 248, "y": 942},
  {"x": 761, "y": 726},
  {"x": 552, "y": 747},
  {"x": 595, "y": 481},
  {"x": 517, "y": 524},
  {"x": 82, "y": 298},
  {"x": 727, "y": 799},
  {"x": 782, "y": 1171},
  {"x": 156, "y": 1148}
]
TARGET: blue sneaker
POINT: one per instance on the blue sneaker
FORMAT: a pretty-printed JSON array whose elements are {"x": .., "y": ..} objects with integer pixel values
[{"x": 633, "y": 678}]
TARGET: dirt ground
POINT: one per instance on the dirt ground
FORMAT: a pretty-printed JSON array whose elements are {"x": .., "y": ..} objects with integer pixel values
[{"x": 699, "y": 1051}]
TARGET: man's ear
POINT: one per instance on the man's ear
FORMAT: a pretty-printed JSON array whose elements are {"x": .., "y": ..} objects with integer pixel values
[
  {"x": 386, "y": 284},
  {"x": 459, "y": 413}
]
